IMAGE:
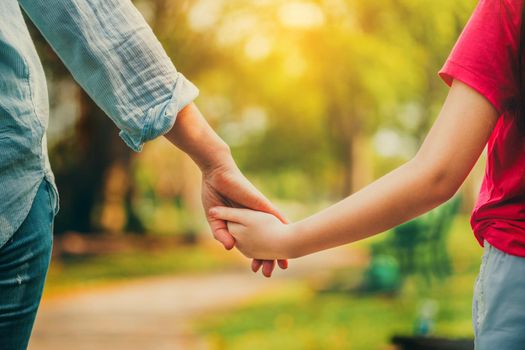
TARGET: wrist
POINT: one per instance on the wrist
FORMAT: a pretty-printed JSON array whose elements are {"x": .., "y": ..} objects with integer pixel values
[
  {"x": 193, "y": 135},
  {"x": 292, "y": 243},
  {"x": 217, "y": 158}
]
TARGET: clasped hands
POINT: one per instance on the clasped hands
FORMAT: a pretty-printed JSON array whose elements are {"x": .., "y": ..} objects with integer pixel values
[
  {"x": 225, "y": 192},
  {"x": 223, "y": 185}
]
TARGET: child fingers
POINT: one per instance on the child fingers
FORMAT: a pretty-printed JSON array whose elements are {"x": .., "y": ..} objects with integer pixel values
[
  {"x": 283, "y": 264},
  {"x": 256, "y": 265},
  {"x": 268, "y": 266},
  {"x": 228, "y": 214}
]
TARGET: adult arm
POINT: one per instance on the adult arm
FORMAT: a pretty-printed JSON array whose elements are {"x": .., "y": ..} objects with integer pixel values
[{"x": 115, "y": 57}]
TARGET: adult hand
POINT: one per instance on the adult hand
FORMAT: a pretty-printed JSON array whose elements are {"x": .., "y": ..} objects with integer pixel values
[{"x": 223, "y": 184}]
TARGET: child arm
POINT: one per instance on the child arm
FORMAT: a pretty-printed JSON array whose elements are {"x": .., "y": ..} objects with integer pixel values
[{"x": 446, "y": 157}]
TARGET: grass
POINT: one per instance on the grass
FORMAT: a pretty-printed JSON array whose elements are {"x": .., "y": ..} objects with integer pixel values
[
  {"x": 296, "y": 317},
  {"x": 78, "y": 273}
]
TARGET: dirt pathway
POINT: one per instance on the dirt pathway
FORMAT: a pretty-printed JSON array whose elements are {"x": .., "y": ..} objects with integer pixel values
[{"x": 155, "y": 313}]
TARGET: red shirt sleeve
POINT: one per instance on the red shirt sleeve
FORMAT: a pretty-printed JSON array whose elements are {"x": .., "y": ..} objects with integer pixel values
[{"x": 485, "y": 55}]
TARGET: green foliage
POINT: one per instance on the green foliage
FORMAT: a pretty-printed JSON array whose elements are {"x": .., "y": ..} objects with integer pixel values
[
  {"x": 420, "y": 245},
  {"x": 383, "y": 275}
]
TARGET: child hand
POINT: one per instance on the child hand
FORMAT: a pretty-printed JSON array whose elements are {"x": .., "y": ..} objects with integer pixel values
[{"x": 257, "y": 234}]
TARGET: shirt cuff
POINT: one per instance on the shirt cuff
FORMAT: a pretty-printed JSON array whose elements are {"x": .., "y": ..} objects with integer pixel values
[{"x": 161, "y": 118}]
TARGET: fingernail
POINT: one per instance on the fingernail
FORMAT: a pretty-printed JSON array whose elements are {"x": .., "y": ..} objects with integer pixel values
[{"x": 213, "y": 211}]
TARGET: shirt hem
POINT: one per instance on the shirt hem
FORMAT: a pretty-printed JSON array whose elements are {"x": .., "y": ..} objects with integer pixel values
[
  {"x": 490, "y": 239},
  {"x": 17, "y": 225}
]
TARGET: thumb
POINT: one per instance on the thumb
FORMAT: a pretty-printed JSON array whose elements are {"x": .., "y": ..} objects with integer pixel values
[
  {"x": 249, "y": 197},
  {"x": 277, "y": 213},
  {"x": 268, "y": 207}
]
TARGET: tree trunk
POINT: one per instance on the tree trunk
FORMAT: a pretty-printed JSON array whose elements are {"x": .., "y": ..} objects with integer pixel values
[{"x": 83, "y": 165}]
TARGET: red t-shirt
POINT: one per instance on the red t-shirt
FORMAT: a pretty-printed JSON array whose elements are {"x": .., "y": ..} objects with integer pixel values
[{"x": 485, "y": 58}]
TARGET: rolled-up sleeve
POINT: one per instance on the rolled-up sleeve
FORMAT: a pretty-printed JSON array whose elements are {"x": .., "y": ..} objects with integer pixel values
[{"x": 116, "y": 58}]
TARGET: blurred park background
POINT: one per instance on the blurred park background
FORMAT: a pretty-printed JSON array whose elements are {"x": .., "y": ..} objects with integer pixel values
[{"x": 316, "y": 98}]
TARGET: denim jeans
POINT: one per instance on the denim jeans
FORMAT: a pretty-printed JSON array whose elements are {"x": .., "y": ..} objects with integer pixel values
[
  {"x": 24, "y": 261},
  {"x": 498, "y": 310}
]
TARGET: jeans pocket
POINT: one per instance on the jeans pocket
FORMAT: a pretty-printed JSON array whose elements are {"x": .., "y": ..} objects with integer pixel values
[{"x": 51, "y": 200}]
